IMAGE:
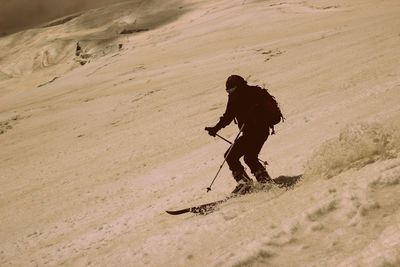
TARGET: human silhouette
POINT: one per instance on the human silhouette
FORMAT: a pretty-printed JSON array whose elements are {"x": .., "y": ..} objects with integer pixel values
[{"x": 246, "y": 106}]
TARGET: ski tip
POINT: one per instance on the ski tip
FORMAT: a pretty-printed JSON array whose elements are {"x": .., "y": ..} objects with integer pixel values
[{"x": 177, "y": 212}]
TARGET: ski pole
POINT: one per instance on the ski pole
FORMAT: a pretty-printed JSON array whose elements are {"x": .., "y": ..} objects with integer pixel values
[
  {"x": 260, "y": 160},
  {"x": 227, "y": 155}
]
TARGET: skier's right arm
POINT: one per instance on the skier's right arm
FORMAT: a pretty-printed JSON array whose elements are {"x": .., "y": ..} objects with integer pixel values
[
  {"x": 227, "y": 117},
  {"x": 224, "y": 120}
]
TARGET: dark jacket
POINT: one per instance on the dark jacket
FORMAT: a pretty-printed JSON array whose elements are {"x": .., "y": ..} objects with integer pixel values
[{"x": 246, "y": 106}]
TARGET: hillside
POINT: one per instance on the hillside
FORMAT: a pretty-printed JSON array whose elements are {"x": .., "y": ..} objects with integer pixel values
[{"x": 102, "y": 117}]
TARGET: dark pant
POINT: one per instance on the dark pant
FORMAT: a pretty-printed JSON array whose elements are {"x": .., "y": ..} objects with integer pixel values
[{"x": 248, "y": 145}]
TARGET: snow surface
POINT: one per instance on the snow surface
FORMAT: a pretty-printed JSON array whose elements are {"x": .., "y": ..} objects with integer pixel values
[{"x": 95, "y": 147}]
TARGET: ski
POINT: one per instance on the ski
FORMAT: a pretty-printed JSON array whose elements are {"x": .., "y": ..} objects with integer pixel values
[
  {"x": 201, "y": 209},
  {"x": 207, "y": 208},
  {"x": 285, "y": 182}
]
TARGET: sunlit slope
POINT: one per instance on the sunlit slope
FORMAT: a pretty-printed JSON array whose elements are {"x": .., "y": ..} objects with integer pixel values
[{"x": 91, "y": 160}]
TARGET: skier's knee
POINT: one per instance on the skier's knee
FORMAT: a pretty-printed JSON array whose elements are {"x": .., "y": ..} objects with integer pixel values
[
  {"x": 226, "y": 153},
  {"x": 250, "y": 159},
  {"x": 230, "y": 157}
]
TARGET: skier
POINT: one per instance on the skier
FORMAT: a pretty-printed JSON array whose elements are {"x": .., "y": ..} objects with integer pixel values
[{"x": 245, "y": 106}]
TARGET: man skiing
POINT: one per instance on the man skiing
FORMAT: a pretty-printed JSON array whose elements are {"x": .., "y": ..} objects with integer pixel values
[{"x": 245, "y": 106}]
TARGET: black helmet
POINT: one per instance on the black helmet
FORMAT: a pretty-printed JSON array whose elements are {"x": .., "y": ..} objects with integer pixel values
[{"x": 234, "y": 81}]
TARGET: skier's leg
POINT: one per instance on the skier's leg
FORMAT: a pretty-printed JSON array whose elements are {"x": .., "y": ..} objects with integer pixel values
[
  {"x": 239, "y": 174},
  {"x": 237, "y": 151},
  {"x": 254, "y": 143},
  {"x": 252, "y": 147}
]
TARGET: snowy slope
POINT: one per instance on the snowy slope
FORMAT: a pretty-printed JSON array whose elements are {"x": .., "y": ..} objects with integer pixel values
[{"x": 90, "y": 161}]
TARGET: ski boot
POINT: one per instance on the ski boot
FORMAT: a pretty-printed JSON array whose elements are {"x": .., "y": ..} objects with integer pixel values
[
  {"x": 263, "y": 179},
  {"x": 245, "y": 183}
]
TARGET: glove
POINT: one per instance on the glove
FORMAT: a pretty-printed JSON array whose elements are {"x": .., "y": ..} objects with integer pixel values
[{"x": 212, "y": 130}]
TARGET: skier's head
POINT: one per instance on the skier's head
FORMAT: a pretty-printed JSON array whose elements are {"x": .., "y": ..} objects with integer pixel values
[{"x": 234, "y": 82}]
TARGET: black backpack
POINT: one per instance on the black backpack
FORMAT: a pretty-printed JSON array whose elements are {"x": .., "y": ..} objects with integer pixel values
[{"x": 272, "y": 112}]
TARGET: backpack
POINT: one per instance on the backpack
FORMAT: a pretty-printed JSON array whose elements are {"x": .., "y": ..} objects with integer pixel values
[{"x": 271, "y": 111}]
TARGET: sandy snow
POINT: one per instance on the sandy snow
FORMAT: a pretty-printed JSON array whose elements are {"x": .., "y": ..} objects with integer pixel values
[{"x": 96, "y": 146}]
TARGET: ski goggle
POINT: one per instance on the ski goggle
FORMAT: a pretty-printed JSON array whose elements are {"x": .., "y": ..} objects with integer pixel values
[{"x": 231, "y": 90}]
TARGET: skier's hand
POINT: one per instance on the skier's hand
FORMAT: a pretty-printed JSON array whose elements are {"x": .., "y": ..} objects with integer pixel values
[{"x": 212, "y": 131}]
